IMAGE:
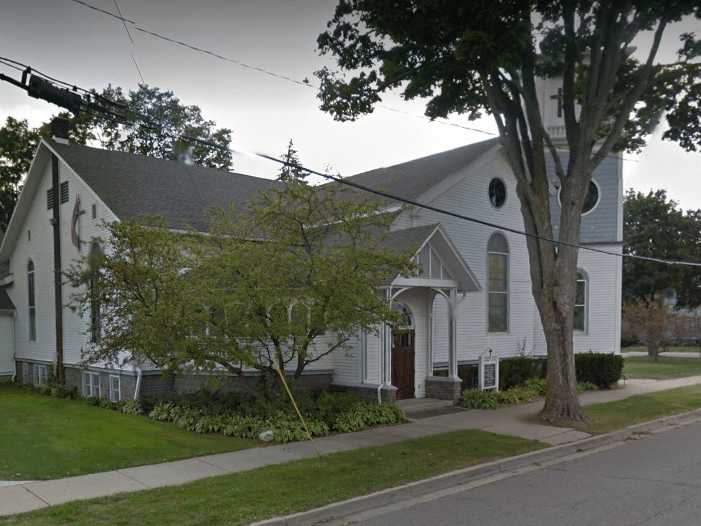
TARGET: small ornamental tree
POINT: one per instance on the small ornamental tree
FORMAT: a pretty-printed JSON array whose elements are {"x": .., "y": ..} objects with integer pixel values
[
  {"x": 282, "y": 284},
  {"x": 652, "y": 323},
  {"x": 474, "y": 57}
]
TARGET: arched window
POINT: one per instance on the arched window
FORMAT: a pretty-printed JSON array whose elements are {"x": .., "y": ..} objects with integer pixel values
[
  {"x": 498, "y": 283},
  {"x": 406, "y": 320},
  {"x": 580, "y": 302},
  {"x": 31, "y": 302}
]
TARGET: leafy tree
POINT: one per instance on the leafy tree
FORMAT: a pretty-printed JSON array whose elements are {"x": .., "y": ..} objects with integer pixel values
[
  {"x": 654, "y": 226},
  {"x": 477, "y": 56},
  {"x": 167, "y": 119},
  {"x": 17, "y": 144},
  {"x": 156, "y": 135},
  {"x": 281, "y": 284}
]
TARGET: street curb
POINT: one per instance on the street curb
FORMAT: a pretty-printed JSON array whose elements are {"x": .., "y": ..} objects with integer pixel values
[{"x": 344, "y": 509}]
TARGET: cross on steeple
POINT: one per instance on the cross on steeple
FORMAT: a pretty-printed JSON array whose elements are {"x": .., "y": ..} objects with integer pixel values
[{"x": 558, "y": 97}]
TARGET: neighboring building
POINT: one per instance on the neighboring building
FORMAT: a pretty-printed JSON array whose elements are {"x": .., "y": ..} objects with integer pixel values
[{"x": 473, "y": 293}]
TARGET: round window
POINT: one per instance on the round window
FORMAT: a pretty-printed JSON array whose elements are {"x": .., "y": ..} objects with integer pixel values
[
  {"x": 497, "y": 192},
  {"x": 590, "y": 201}
]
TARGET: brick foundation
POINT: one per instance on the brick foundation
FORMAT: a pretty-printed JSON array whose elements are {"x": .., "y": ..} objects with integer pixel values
[
  {"x": 369, "y": 391},
  {"x": 443, "y": 388}
]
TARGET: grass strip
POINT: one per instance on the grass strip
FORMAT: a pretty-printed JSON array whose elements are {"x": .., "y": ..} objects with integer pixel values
[
  {"x": 43, "y": 437},
  {"x": 610, "y": 416},
  {"x": 248, "y": 496}
]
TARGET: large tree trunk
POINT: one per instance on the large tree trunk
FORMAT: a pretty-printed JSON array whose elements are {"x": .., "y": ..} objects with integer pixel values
[
  {"x": 553, "y": 270},
  {"x": 561, "y": 400}
]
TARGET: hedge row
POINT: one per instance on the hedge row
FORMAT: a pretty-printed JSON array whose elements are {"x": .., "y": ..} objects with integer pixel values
[{"x": 601, "y": 369}]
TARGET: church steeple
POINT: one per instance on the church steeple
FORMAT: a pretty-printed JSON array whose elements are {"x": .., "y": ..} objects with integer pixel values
[{"x": 551, "y": 109}]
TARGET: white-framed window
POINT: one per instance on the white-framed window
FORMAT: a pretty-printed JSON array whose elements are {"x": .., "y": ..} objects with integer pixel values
[
  {"x": 498, "y": 284},
  {"x": 581, "y": 299},
  {"x": 41, "y": 374},
  {"x": 25, "y": 373},
  {"x": 115, "y": 388},
  {"x": 31, "y": 302},
  {"x": 91, "y": 384}
]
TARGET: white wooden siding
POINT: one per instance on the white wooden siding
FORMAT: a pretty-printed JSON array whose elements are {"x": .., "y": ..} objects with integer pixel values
[
  {"x": 468, "y": 195},
  {"x": 7, "y": 344},
  {"x": 40, "y": 250}
]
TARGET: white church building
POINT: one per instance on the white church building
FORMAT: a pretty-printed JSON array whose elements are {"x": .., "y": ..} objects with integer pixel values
[{"x": 472, "y": 297}]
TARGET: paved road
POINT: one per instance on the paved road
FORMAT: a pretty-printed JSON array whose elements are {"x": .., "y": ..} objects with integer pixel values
[{"x": 652, "y": 481}]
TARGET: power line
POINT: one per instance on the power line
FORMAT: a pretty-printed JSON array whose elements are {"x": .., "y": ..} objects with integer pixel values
[
  {"x": 304, "y": 83},
  {"x": 146, "y": 121},
  {"x": 482, "y": 222},
  {"x": 133, "y": 44}
]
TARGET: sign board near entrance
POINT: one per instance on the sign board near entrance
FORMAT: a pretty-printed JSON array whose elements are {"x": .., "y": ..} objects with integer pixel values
[{"x": 489, "y": 371}]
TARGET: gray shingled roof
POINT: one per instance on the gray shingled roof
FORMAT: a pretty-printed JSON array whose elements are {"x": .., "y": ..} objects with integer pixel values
[
  {"x": 413, "y": 178},
  {"x": 5, "y": 301},
  {"x": 408, "y": 240},
  {"x": 136, "y": 185}
]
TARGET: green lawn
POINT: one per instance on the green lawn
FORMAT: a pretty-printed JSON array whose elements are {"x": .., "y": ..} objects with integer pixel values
[
  {"x": 43, "y": 437},
  {"x": 679, "y": 348},
  {"x": 276, "y": 490},
  {"x": 617, "y": 415},
  {"x": 665, "y": 367}
]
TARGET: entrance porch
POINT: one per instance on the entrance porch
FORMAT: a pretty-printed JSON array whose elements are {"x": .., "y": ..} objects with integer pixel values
[{"x": 407, "y": 348}]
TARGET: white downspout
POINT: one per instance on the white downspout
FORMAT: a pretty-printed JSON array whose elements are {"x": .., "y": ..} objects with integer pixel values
[
  {"x": 383, "y": 362},
  {"x": 137, "y": 389}
]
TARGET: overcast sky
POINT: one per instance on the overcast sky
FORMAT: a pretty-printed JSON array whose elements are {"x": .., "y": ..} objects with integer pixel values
[{"x": 76, "y": 44}]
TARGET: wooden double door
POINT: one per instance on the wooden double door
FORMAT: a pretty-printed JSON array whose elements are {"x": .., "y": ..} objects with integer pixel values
[{"x": 403, "y": 363}]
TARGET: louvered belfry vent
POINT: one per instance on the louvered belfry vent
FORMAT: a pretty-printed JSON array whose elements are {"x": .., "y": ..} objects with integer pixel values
[
  {"x": 50, "y": 198},
  {"x": 64, "y": 192}
]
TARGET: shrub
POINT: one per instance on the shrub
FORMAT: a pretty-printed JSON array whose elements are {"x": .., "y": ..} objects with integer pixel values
[
  {"x": 600, "y": 369},
  {"x": 247, "y": 417},
  {"x": 586, "y": 386},
  {"x": 132, "y": 407},
  {"x": 477, "y": 399},
  {"x": 518, "y": 370},
  {"x": 538, "y": 385},
  {"x": 365, "y": 414},
  {"x": 518, "y": 395},
  {"x": 65, "y": 391}
]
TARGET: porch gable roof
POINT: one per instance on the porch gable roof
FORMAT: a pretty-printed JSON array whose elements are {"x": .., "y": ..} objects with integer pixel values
[{"x": 414, "y": 240}]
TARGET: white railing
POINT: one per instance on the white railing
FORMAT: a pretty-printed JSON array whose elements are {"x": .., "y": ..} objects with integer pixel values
[{"x": 556, "y": 132}]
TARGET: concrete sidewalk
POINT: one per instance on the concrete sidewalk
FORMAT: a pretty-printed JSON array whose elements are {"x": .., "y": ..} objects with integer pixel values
[{"x": 27, "y": 496}]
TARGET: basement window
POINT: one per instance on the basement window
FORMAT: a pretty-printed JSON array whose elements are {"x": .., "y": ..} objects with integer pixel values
[
  {"x": 41, "y": 374},
  {"x": 115, "y": 388},
  {"x": 91, "y": 385}
]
